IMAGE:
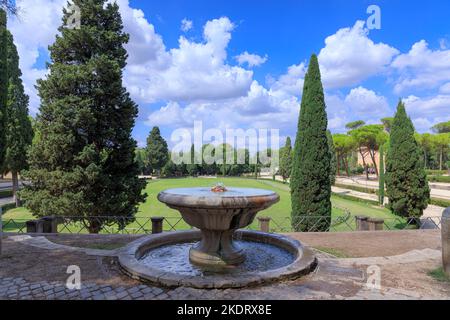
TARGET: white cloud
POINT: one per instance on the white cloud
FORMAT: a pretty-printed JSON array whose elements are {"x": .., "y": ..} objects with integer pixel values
[
  {"x": 33, "y": 32},
  {"x": 445, "y": 88},
  {"x": 291, "y": 83},
  {"x": 252, "y": 60},
  {"x": 186, "y": 25},
  {"x": 350, "y": 57},
  {"x": 422, "y": 68},
  {"x": 194, "y": 72},
  {"x": 431, "y": 107},
  {"x": 366, "y": 103}
]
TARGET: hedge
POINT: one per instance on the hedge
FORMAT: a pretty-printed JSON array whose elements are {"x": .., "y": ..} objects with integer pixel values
[
  {"x": 6, "y": 193},
  {"x": 357, "y": 188},
  {"x": 436, "y": 172},
  {"x": 440, "y": 202},
  {"x": 352, "y": 198},
  {"x": 444, "y": 179}
]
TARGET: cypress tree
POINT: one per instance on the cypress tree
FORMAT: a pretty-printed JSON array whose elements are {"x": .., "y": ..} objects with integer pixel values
[
  {"x": 310, "y": 179},
  {"x": 286, "y": 160},
  {"x": 19, "y": 133},
  {"x": 157, "y": 150},
  {"x": 3, "y": 84},
  {"x": 406, "y": 180},
  {"x": 83, "y": 163},
  {"x": 333, "y": 159},
  {"x": 382, "y": 177}
]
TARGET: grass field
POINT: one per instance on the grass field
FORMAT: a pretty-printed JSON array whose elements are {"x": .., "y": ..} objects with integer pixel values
[{"x": 280, "y": 212}]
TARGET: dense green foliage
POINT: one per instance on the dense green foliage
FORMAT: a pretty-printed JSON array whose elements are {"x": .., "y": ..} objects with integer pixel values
[
  {"x": 3, "y": 84},
  {"x": 286, "y": 160},
  {"x": 344, "y": 146},
  {"x": 406, "y": 180},
  {"x": 19, "y": 133},
  {"x": 443, "y": 127},
  {"x": 381, "y": 184},
  {"x": 157, "y": 150},
  {"x": 83, "y": 162},
  {"x": 310, "y": 179},
  {"x": 333, "y": 158}
]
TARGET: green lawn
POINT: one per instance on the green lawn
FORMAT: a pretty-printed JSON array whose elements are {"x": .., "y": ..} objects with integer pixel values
[{"x": 280, "y": 212}]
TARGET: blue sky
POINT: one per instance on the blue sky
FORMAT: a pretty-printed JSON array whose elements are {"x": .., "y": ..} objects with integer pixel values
[{"x": 178, "y": 76}]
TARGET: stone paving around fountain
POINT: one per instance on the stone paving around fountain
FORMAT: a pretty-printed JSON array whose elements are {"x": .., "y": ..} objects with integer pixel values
[{"x": 36, "y": 268}]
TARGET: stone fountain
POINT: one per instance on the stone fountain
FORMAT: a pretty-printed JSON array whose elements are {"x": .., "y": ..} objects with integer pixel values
[
  {"x": 218, "y": 215},
  {"x": 218, "y": 254}
]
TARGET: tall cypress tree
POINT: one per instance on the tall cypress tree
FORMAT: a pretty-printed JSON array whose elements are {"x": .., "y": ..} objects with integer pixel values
[
  {"x": 310, "y": 179},
  {"x": 406, "y": 180},
  {"x": 3, "y": 84},
  {"x": 286, "y": 160},
  {"x": 19, "y": 133},
  {"x": 83, "y": 164}
]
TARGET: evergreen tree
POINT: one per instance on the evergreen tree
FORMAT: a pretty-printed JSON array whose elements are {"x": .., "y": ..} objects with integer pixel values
[
  {"x": 333, "y": 158},
  {"x": 3, "y": 84},
  {"x": 83, "y": 163},
  {"x": 286, "y": 160},
  {"x": 157, "y": 150},
  {"x": 310, "y": 179},
  {"x": 19, "y": 133},
  {"x": 382, "y": 176},
  {"x": 406, "y": 180}
]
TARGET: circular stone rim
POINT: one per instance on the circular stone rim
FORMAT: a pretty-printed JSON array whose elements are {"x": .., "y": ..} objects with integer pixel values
[
  {"x": 218, "y": 200},
  {"x": 305, "y": 262}
]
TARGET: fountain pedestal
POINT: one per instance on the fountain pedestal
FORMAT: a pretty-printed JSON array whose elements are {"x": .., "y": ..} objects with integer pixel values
[{"x": 218, "y": 216}]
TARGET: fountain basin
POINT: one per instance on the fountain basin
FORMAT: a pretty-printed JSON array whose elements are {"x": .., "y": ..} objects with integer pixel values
[
  {"x": 136, "y": 261},
  {"x": 218, "y": 216}
]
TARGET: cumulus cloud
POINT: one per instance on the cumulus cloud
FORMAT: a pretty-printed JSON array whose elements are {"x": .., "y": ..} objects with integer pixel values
[
  {"x": 33, "y": 32},
  {"x": 195, "y": 71},
  {"x": 186, "y": 25},
  {"x": 422, "y": 68},
  {"x": 349, "y": 57},
  {"x": 367, "y": 103},
  {"x": 435, "y": 107},
  {"x": 252, "y": 60}
]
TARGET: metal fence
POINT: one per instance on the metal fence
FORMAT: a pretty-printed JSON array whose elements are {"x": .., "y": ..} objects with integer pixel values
[{"x": 143, "y": 225}]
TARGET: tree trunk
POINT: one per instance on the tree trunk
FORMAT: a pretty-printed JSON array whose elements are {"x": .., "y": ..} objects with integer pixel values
[
  {"x": 372, "y": 155},
  {"x": 441, "y": 159},
  {"x": 94, "y": 226},
  {"x": 346, "y": 167},
  {"x": 15, "y": 187},
  {"x": 364, "y": 163}
]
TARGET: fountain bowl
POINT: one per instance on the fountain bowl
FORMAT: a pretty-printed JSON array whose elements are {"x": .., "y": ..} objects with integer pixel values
[{"x": 132, "y": 261}]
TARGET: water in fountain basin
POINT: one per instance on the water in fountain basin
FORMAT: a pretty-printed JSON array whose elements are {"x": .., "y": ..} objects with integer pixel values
[{"x": 259, "y": 257}]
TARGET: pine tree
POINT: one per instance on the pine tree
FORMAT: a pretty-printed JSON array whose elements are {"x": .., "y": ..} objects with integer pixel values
[
  {"x": 286, "y": 160},
  {"x": 406, "y": 180},
  {"x": 310, "y": 179},
  {"x": 83, "y": 163},
  {"x": 157, "y": 150},
  {"x": 3, "y": 84},
  {"x": 19, "y": 133},
  {"x": 382, "y": 177},
  {"x": 333, "y": 159}
]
